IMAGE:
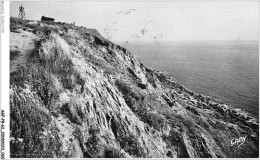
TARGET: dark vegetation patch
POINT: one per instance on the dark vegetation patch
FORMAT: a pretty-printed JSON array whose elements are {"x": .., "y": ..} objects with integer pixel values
[
  {"x": 42, "y": 32},
  {"x": 193, "y": 110},
  {"x": 56, "y": 65},
  {"x": 70, "y": 40},
  {"x": 37, "y": 28},
  {"x": 191, "y": 127},
  {"x": 73, "y": 113},
  {"x": 114, "y": 127},
  {"x": 139, "y": 103},
  {"x": 169, "y": 100},
  {"x": 151, "y": 79},
  {"x": 92, "y": 143},
  {"x": 41, "y": 86},
  {"x": 100, "y": 41},
  {"x": 175, "y": 140},
  {"x": 104, "y": 61},
  {"x": 112, "y": 153},
  {"x": 16, "y": 23},
  {"x": 132, "y": 72},
  {"x": 142, "y": 86},
  {"x": 14, "y": 54},
  {"x": 131, "y": 146},
  {"x": 80, "y": 81},
  {"x": 155, "y": 120},
  {"x": 27, "y": 121},
  {"x": 133, "y": 96},
  {"x": 96, "y": 150},
  {"x": 200, "y": 121},
  {"x": 199, "y": 144},
  {"x": 103, "y": 65},
  {"x": 83, "y": 30}
]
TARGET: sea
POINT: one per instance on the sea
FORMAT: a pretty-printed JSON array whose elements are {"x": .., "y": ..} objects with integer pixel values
[{"x": 227, "y": 71}]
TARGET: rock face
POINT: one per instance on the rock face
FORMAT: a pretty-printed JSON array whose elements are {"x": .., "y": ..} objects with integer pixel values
[{"x": 80, "y": 95}]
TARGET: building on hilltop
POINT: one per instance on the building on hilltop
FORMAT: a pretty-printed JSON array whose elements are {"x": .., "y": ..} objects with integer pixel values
[{"x": 47, "y": 19}]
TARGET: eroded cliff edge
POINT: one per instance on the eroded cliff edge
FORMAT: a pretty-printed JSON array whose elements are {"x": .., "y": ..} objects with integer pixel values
[{"x": 75, "y": 94}]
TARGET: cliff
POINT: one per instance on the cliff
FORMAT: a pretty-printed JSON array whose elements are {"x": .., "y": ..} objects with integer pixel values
[{"x": 75, "y": 94}]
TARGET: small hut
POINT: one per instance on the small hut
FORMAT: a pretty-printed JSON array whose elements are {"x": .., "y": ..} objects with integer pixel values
[{"x": 47, "y": 19}]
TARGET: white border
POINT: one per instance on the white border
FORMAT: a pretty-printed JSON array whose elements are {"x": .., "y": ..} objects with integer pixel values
[
  {"x": 5, "y": 77},
  {"x": 5, "y": 67}
]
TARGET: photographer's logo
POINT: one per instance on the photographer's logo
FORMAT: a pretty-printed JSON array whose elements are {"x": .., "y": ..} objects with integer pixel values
[{"x": 239, "y": 141}]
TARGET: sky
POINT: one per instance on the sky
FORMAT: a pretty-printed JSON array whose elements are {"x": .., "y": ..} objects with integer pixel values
[{"x": 160, "y": 21}]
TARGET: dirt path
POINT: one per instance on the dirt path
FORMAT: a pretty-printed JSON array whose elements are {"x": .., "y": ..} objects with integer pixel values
[{"x": 21, "y": 44}]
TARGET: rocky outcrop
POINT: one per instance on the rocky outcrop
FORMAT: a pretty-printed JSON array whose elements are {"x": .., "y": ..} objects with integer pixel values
[{"x": 80, "y": 95}]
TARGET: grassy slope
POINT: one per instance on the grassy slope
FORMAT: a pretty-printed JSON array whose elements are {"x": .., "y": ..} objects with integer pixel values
[{"x": 188, "y": 124}]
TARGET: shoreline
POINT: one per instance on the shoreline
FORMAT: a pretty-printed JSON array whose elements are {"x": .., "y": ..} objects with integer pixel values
[
  {"x": 232, "y": 95},
  {"x": 205, "y": 98}
]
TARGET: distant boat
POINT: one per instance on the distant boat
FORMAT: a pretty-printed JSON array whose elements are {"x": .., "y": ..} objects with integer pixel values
[{"x": 126, "y": 42}]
